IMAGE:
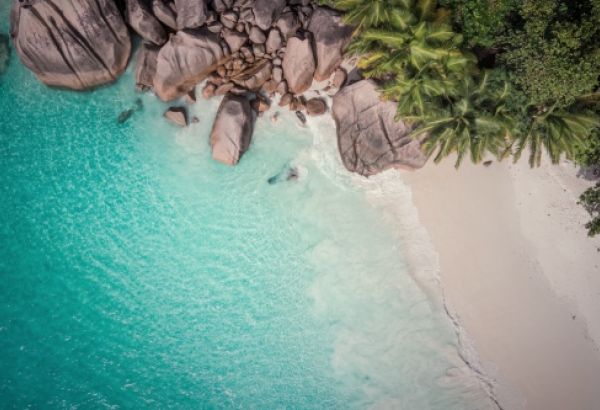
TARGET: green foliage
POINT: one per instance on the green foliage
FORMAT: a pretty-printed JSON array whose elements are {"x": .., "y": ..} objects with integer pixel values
[
  {"x": 557, "y": 132},
  {"x": 482, "y": 21},
  {"x": 555, "y": 53},
  {"x": 539, "y": 103},
  {"x": 475, "y": 122},
  {"x": 371, "y": 13},
  {"x": 590, "y": 200},
  {"x": 588, "y": 153},
  {"x": 411, "y": 49}
]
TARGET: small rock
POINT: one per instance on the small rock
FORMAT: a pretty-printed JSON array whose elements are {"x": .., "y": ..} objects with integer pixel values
[
  {"x": 339, "y": 78},
  {"x": 215, "y": 27},
  {"x": 260, "y": 105},
  {"x": 286, "y": 100},
  {"x": 301, "y": 117},
  {"x": 282, "y": 88},
  {"x": 277, "y": 74},
  {"x": 288, "y": 24},
  {"x": 224, "y": 88},
  {"x": 316, "y": 106},
  {"x": 234, "y": 40},
  {"x": 177, "y": 115},
  {"x": 274, "y": 41},
  {"x": 190, "y": 97},
  {"x": 229, "y": 19},
  {"x": 270, "y": 87},
  {"x": 257, "y": 35},
  {"x": 275, "y": 117},
  {"x": 258, "y": 50},
  {"x": 209, "y": 91},
  {"x": 195, "y": 120}
]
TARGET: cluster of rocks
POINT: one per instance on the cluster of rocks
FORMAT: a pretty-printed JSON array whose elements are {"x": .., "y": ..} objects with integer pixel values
[{"x": 246, "y": 50}]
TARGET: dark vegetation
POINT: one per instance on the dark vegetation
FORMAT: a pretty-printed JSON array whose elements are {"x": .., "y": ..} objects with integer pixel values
[{"x": 500, "y": 77}]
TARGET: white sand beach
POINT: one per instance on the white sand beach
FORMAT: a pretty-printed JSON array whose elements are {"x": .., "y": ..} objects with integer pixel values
[{"x": 521, "y": 276}]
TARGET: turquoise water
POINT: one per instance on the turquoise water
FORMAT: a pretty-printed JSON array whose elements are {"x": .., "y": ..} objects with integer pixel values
[{"x": 136, "y": 272}]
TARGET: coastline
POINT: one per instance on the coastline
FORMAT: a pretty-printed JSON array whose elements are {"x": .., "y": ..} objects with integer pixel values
[{"x": 525, "y": 305}]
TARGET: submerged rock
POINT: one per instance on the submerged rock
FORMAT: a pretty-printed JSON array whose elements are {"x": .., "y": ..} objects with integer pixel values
[
  {"x": 288, "y": 173},
  {"x": 72, "y": 44},
  {"x": 232, "y": 130},
  {"x": 177, "y": 115},
  {"x": 185, "y": 60},
  {"x": 125, "y": 115},
  {"x": 369, "y": 138},
  {"x": 4, "y": 53}
]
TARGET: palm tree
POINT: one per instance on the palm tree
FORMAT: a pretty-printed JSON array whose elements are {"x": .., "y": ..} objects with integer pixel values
[
  {"x": 474, "y": 122},
  {"x": 557, "y": 132},
  {"x": 414, "y": 52},
  {"x": 364, "y": 14}
]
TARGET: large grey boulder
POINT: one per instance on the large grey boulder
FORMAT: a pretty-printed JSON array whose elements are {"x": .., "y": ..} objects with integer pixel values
[
  {"x": 72, "y": 44},
  {"x": 331, "y": 36},
  {"x": 369, "y": 138},
  {"x": 185, "y": 60},
  {"x": 266, "y": 12},
  {"x": 141, "y": 19},
  {"x": 145, "y": 66},
  {"x": 165, "y": 12},
  {"x": 191, "y": 13},
  {"x": 232, "y": 130},
  {"x": 298, "y": 64}
]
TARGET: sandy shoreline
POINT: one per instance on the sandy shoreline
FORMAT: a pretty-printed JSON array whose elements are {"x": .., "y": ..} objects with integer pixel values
[{"x": 520, "y": 275}]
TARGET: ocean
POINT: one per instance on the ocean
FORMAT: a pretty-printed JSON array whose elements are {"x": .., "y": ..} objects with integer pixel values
[{"x": 136, "y": 272}]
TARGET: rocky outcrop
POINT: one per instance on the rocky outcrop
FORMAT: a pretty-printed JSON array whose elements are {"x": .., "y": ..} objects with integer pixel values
[
  {"x": 72, "y": 44},
  {"x": 246, "y": 49},
  {"x": 331, "y": 37},
  {"x": 369, "y": 138},
  {"x": 145, "y": 66},
  {"x": 190, "y": 13},
  {"x": 232, "y": 130},
  {"x": 298, "y": 64},
  {"x": 139, "y": 16},
  {"x": 185, "y": 60}
]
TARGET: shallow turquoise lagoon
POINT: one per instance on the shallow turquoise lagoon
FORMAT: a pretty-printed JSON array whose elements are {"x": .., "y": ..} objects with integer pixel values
[{"x": 135, "y": 272}]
